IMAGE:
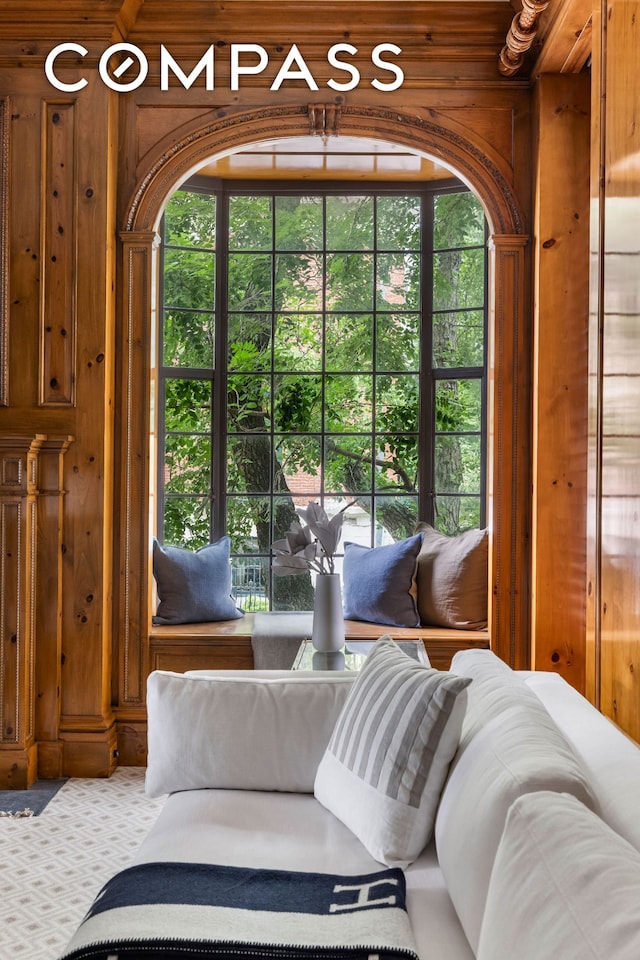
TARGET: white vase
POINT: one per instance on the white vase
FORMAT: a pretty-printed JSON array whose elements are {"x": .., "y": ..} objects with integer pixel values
[{"x": 328, "y": 619}]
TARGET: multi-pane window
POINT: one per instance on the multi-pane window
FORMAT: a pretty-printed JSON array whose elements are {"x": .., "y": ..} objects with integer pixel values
[{"x": 319, "y": 344}]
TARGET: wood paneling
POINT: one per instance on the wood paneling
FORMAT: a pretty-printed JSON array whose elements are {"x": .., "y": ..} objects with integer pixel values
[
  {"x": 620, "y": 571},
  {"x": 560, "y": 375},
  {"x": 59, "y": 267}
]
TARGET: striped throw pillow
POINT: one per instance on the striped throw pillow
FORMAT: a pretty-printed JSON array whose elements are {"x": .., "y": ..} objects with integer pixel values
[{"x": 389, "y": 753}]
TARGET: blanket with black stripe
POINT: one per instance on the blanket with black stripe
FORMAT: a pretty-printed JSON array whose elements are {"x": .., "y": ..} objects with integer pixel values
[{"x": 175, "y": 911}]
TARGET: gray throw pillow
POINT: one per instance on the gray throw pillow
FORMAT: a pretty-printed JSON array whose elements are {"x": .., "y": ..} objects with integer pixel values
[
  {"x": 453, "y": 579},
  {"x": 193, "y": 587}
]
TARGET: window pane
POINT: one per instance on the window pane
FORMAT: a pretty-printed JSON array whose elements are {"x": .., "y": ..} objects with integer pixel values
[
  {"x": 250, "y": 224},
  {"x": 190, "y": 220},
  {"x": 298, "y": 404},
  {"x": 248, "y": 524},
  {"x": 349, "y": 284},
  {"x": 398, "y": 282},
  {"x": 396, "y": 518},
  {"x": 399, "y": 454},
  {"x": 458, "y": 464},
  {"x": 298, "y": 342},
  {"x": 188, "y": 339},
  {"x": 458, "y": 405},
  {"x": 458, "y": 339},
  {"x": 349, "y": 342},
  {"x": 299, "y": 281},
  {"x": 397, "y": 403},
  {"x": 189, "y": 277},
  {"x": 349, "y": 223},
  {"x": 458, "y": 221},
  {"x": 188, "y": 406},
  {"x": 399, "y": 223},
  {"x": 248, "y": 403},
  {"x": 348, "y": 404},
  {"x": 298, "y": 223},
  {"x": 454, "y": 515},
  {"x": 187, "y": 522},
  {"x": 187, "y": 463},
  {"x": 249, "y": 464},
  {"x": 249, "y": 580},
  {"x": 348, "y": 462},
  {"x": 298, "y": 466},
  {"x": 458, "y": 279},
  {"x": 249, "y": 281},
  {"x": 249, "y": 342},
  {"x": 398, "y": 341}
]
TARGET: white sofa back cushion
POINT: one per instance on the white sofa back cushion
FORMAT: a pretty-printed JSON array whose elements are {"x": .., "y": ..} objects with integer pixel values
[
  {"x": 240, "y": 731},
  {"x": 520, "y": 751},
  {"x": 612, "y": 759},
  {"x": 564, "y": 885}
]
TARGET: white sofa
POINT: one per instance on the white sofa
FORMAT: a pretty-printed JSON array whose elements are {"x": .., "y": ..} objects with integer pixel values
[{"x": 535, "y": 852}]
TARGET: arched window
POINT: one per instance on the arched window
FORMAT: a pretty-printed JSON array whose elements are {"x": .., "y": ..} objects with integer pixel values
[{"x": 319, "y": 342}]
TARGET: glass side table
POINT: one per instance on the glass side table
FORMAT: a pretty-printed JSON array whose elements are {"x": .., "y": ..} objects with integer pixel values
[{"x": 352, "y": 655}]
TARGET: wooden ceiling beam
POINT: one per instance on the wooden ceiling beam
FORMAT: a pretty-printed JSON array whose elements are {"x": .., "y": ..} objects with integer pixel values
[{"x": 565, "y": 35}]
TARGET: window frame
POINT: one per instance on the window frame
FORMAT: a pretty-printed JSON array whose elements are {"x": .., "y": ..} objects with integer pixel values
[{"x": 429, "y": 375}]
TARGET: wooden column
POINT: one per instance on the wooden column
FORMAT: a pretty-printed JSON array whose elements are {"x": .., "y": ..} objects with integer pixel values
[
  {"x": 48, "y": 654},
  {"x": 133, "y": 549},
  {"x": 18, "y": 530},
  {"x": 509, "y": 451},
  {"x": 561, "y": 308}
]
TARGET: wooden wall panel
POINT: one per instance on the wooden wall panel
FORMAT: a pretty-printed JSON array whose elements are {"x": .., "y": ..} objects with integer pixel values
[
  {"x": 5, "y": 108},
  {"x": 614, "y": 503},
  {"x": 561, "y": 228},
  {"x": 59, "y": 267}
]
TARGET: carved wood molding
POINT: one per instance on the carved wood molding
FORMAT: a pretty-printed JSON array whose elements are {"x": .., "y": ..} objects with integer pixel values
[
  {"x": 324, "y": 119},
  {"x": 522, "y": 33}
]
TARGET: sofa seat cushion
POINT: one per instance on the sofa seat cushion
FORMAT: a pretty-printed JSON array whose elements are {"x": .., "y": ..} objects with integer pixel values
[
  {"x": 519, "y": 751},
  {"x": 292, "y": 831},
  {"x": 240, "y": 731},
  {"x": 390, "y": 751},
  {"x": 563, "y": 885}
]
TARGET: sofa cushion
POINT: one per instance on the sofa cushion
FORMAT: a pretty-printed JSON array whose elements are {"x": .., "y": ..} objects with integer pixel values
[
  {"x": 240, "y": 732},
  {"x": 495, "y": 688},
  {"x": 613, "y": 761},
  {"x": 452, "y": 579},
  {"x": 563, "y": 885},
  {"x": 389, "y": 753},
  {"x": 193, "y": 586},
  {"x": 519, "y": 751},
  {"x": 379, "y": 583}
]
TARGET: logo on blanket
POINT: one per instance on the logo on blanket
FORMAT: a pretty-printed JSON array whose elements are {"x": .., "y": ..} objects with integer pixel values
[{"x": 364, "y": 898}]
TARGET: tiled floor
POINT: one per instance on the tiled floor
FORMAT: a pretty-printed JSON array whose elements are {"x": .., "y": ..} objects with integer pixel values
[{"x": 52, "y": 866}]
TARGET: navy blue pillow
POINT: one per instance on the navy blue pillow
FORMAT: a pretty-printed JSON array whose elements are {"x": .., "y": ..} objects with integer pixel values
[
  {"x": 379, "y": 583},
  {"x": 194, "y": 587}
]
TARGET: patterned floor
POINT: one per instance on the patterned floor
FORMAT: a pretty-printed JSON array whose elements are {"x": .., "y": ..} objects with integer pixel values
[{"x": 52, "y": 866}]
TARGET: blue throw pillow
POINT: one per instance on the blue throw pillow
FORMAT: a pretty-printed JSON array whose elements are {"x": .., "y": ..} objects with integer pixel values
[
  {"x": 379, "y": 583},
  {"x": 193, "y": 587}
]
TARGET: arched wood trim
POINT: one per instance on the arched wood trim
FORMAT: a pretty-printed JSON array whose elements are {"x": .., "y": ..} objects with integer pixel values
[
  {"x": 489, "y": 176},
  {"x": 480, "y": 166}
]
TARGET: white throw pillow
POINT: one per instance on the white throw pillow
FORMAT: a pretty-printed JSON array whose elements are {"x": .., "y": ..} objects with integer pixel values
[
  {"x": 520, "y": 751},
  {"x": 240, "y": 732},
  {"x": 564, "y": 885},
  {"x": 383, "y": 770}
]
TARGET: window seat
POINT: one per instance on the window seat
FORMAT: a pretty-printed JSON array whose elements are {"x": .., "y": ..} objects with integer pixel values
[{"x": 226, "y": 645}]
